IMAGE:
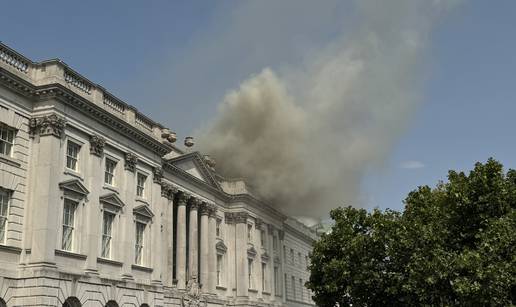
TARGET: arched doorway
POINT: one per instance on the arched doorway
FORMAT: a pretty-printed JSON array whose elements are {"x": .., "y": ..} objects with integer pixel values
[
  {"x": 72, "y": 302},
  {"x": 111, "y": 304}
]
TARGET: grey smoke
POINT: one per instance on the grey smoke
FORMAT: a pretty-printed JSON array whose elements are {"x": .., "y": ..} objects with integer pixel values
[{"x": 304, "y": 137}]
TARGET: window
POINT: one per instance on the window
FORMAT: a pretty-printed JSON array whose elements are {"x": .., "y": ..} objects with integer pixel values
[
  {"x": 4, "y": 211},
  {"x": 217, "y": 228},
  {"x": 140, "y": 185},
  {"x": 293, "y": 261},
  {"x": 72, "y": 155},
  {"x": 286, "y": 284},
  {"x": 107, "y": 224},
  {"x": 68, "y": 224},
  {"x": 109, "y": 172},
  {"x": 250, "y": 272},
  {"x": 276, "y": 281},
  {"x": 299, "y": 259},
  {"x": 264, "y": 270},
  {"x": 301, "y": 288},
  {"x": 6, "y": 140},
  {"x": 275, "y": 242},
  {"x": 249, "y": 232},
  {"x": 284, "y": 253},
  {"x": 293, "y": 287},
  {"x": 138, "y": 254},
  {"x": 306, "y": 260},
  {"x": 262, "y": 238},
  {"x": 219, "y": 270}
]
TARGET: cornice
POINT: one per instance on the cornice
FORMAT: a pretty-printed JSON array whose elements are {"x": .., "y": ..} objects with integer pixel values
[{"x": 301, "y": 235}]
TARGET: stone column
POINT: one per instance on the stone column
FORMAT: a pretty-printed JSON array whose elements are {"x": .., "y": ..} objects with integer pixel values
[
  {"x": 181, "y": 241},
  {"x": 212, "y": 254},
  {"x": 45, "y": 199},
  {"x": 193, "y": 244},
  {"x": 203, "y": 268},
  {"x": 168, "y": 192},
  {"x": 242, "y": 284},
  {"x": 271, "y": 264},
  {"x": 281, "y": 237}
]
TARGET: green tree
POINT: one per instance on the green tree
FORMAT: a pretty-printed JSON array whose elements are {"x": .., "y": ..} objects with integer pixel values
[{"x": 453, "y": 245}]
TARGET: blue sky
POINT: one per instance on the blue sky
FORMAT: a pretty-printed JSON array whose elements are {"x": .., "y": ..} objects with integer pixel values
[{"x": 175, "y": 60}]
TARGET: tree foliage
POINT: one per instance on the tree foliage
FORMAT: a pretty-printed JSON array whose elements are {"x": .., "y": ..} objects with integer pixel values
[{"x": 453, "y": 245}]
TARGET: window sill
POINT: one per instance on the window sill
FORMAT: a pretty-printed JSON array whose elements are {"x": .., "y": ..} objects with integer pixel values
[
  {"x": 9, "y": 160},
  {"x": 142, "y": 200},
  {"x": 221, "y": 288},
  {"x": 110, "y": 188},
  {"x": 61, "y": 252},
  {"x": 109, "y": 261},
  {"x": 73, "y": 173},
  {"x": 12, "y": 249},
  {"x": 141, "y": 268},
  {"x": 253, "y": 290},
  {"x": 266, "y": 293}
]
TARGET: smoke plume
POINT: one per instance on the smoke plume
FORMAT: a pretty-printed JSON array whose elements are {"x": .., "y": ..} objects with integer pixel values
[{"x": 304, "y": 137}]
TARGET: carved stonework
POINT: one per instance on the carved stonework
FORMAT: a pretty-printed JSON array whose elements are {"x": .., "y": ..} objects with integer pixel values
[
  {"x": 157, "y": 174},
  {"x": 258, "y": 223},
  {"x": 193, "y": 297},
  {"x": 205, "y": 209},
  {"x": 182, "y": 199},
  {"x": 213, "y": 211},
  {"x": 130, "y": 162},
  {"x": 97, "y": 145},
  {"x": 229, "y": 217},
  {"x": 240, "y": 217},
  {"x": 195, "y": 203},
  {"x": 168, "y": 190},
  {"x": 47, "y": 125}
]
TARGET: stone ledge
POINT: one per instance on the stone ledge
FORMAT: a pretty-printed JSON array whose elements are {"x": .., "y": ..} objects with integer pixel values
[
  {"x": 9, "y": 160},
  {"x": 64, "y": 253},
  {"x": 141, "y": 268},
  {"x": 109, "y": 261},
  {"x": 11, "y": 249}
]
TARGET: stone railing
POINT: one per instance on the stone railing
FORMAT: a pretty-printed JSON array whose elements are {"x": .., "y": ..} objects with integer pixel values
[
  {"x": 76, "y": 81},
  {"x": 11, "y": 58},
  {"x": 113, "y": 104},
  {"x": 143, "y": 122}
]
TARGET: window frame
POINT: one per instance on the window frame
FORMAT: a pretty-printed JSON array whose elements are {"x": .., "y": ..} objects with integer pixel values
[
  {"x": 9, "y": 131},
  {"x": 220, "y": 269},
  {"x": 109, "y": 254},
  {"x": 71, "y": 143},
  {"x": 139, "y": 249},
  {"x": 73, "y": 226},
  {"x": 250, "y": 272},
  {"x": 107, "y": 161},
  {"x": 5, "y": 203},
  {"x": 140, "y": 190}
]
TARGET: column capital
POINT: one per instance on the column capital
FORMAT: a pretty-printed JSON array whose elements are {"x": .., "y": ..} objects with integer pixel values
[
  {"x": 47, "y": 125},
  {"x": 97, "y": 144},
  {"x": 205, "y": 208},
  {"x": 130, "y": 161},
  {"x": 168, "y": 190},
  {"x": 183, "y": 199},
  {"x": 195, "y": 203},
  {"x": 157, "y": 174},
  {"x": 213, "y": 210},
  {"x": 259, "y": 223}
]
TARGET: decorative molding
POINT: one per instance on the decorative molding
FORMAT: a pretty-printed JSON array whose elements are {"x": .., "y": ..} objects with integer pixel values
[
  {"x": 75, "y": 186},
  {"x": 130, "y": 162},
  {"x": 258, "y": 223},
  {"x": 221, "y": 248},
  {"x": 251, "y": 252},
  {"x": 168, "y": 190},
  {"x": 195, "y": 203},
  {"x": 240, "y": 217},
  {"x": 97, "y": 144},
  {"x": 182, "y": 199},
  {"x": 213, "y": 211},
  {"x": 157, "y": 174},
  {"x": 205, "y": 209},
  {"x": 265, "y": 257},
  {"x": 112, "y": 200},
  {"x": 143, "y": 211},
  {"x": 47, "y": 125},
  {"x": 193, "y": 296}
]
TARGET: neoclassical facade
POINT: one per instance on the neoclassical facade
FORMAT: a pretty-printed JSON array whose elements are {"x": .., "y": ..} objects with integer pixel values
[{"x": 98, "y": 207}]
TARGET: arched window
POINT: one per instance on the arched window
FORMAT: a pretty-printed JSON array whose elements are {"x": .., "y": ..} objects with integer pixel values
[
  {"x": 72, "y": 302},
  {"x": 111, "y": 304}
]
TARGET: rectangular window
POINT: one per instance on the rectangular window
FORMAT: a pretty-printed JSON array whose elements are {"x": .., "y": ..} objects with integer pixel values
[
  {"x": 217, "y": 228},
  {"x": 284, "y": 253},
  {"x": 219, "y": 270},
  {"x": 264, "y": 270},
  {"x": 6, "y": 140},
  {"x": 301, "y": 288},
  {"x": 109, "y": 173},
  {"x": 68, "y": 224},
  {"x": 293, "y": 282},
  {"x": 292, "y": 260},
  {"x": 276, "y": 281},
  {"x": 250, "y": 272},
  {"x": 275, "y": 242},
  {"x": 140, "y": 185},
  {"x": 107, "y": 225},
  {"x": 4, "y": 213},
  {"x": 138, "y": 254},
  {"x": 262, "y": 238},
  {"x": 299, "y": 259},
  {"x": 72, "y": 155},
  {"x": 249, "y": 232},
  {"x": 286, "y": 284}
]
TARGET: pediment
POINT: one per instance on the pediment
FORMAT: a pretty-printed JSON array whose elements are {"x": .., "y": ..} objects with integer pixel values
[
  {"x": 75, "y": 186},
  {"x": 143, "y": 211},
  {"x": 221, "y": 247},
  {"x": 112, "y": 199},
  {"x": 251, "y": 252},
  {"x": 194, "y": 165},
  {"x": 265, "y": 257}
]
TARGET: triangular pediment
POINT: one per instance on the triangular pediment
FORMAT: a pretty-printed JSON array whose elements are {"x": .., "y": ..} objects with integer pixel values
[
  {"x": 75, "y": 186},
  {"x": 194, "y": 165},
  {"x": 143, "y": 211},
  {"x": 112, "y": 199},
  {"x": 251, "y": 252},
  {"x": 221, "y": 247}
]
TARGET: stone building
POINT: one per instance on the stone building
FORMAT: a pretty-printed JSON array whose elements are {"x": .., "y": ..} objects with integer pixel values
[{"x": 98, "y": 207}]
